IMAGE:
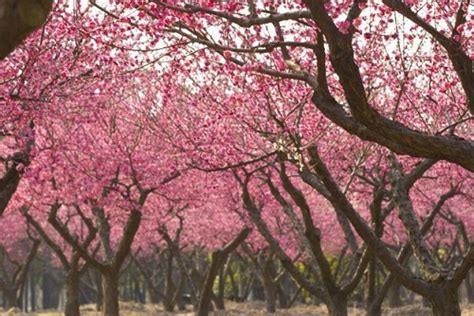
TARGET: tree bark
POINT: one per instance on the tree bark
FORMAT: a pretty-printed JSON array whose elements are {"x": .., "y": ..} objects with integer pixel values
[
  {"x": 100, "y": 292},
  {"x": 270, "y": 295},
  {"x": 469, "y": 287},
  {"x": 282, "y": 297},
  {"x": 269, "y": 286},
  {"x": 19, "y": 18},
  {"x": 394, "y": 299},
  {"x": 337, "y": 306},
  {"x": 371, "y": 286},
  {"x": 72, "y": 294},
  {"x": 220, "y": 304},
  {"x": 111, "y": 293},
  {"x": 445, "y": 303}
]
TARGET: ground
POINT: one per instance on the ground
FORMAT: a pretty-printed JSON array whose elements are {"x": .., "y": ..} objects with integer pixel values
[{"x": 247, "y": 309}]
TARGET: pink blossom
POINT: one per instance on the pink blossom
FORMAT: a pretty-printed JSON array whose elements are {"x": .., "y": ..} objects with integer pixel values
[
  {"x": 20, "y": 167},
  {"x": 344, "y": 26},
  {"x": 227, "y": 54}
]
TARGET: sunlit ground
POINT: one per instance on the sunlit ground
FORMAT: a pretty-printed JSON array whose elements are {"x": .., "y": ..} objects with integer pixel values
[{"x": 247, "y": 309}]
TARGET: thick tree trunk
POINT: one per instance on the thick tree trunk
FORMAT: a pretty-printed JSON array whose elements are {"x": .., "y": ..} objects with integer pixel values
[
  {"x": 337, "y": 306},
  {"x": 72, "y": 294},
  {"x": 18, "y": 19},
  {"x": 446, "y": 303},
  {"x": 375, "y": 309},
  {"x": 111, "y": 293}
]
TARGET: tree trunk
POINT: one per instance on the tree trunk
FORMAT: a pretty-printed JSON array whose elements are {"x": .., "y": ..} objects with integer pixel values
[
  {"x": 220, "y": 304},
  {"x": 269, "y": 290},
  {"x": 469, "y": 287},
  {"x": 72, "y": 294},
  {"x": 375, "y": 309},
  {"x": 446, "y": 303},
  {"x": 100, "y": 292},
  {"x": 282, "y": 297},
  {"x": 337, "y": 306},
  {"x": 11, "y": 300},
  {"x": 111, "y": 294},
  {"x": 394, "y": 299},
  {"x": 371, "y": 283},
  {"x": 32, "y": 293}
]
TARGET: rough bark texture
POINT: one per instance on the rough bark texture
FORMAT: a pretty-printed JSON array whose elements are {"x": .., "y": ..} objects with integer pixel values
[
  {"x": 269, "y": 288},
  {"x": 8, "y": 184},
  {"x": 18, "y": 18},
  {"x": 338, "y": 305},
  {"x": 445, "y": 303},
  {"x": 72, "y": 294},
  {"x": 111, "y": 293}
]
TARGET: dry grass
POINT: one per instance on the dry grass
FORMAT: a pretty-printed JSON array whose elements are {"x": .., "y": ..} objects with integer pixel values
[{"x": 244, "y": 309}]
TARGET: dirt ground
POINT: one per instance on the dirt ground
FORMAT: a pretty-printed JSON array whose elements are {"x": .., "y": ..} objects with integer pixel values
[{"x": 245, "y": 309}]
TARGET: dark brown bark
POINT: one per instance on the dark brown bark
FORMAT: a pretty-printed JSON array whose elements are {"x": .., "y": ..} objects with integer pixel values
[
  {"x": 8, "y": 185},
  {"x": 365, "y": 121},
  {"x": 72, "y": 294},
  {"x": 219, "y": 300},
  {"x": 445, "y": 303},
  {"x": 371, "y": 282},
  {"x": 111, "y": 293},
  {"x": 18, "y": 18},
  {"x": 219, "y": 258},
  {"x": 337, "y": 306}
]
